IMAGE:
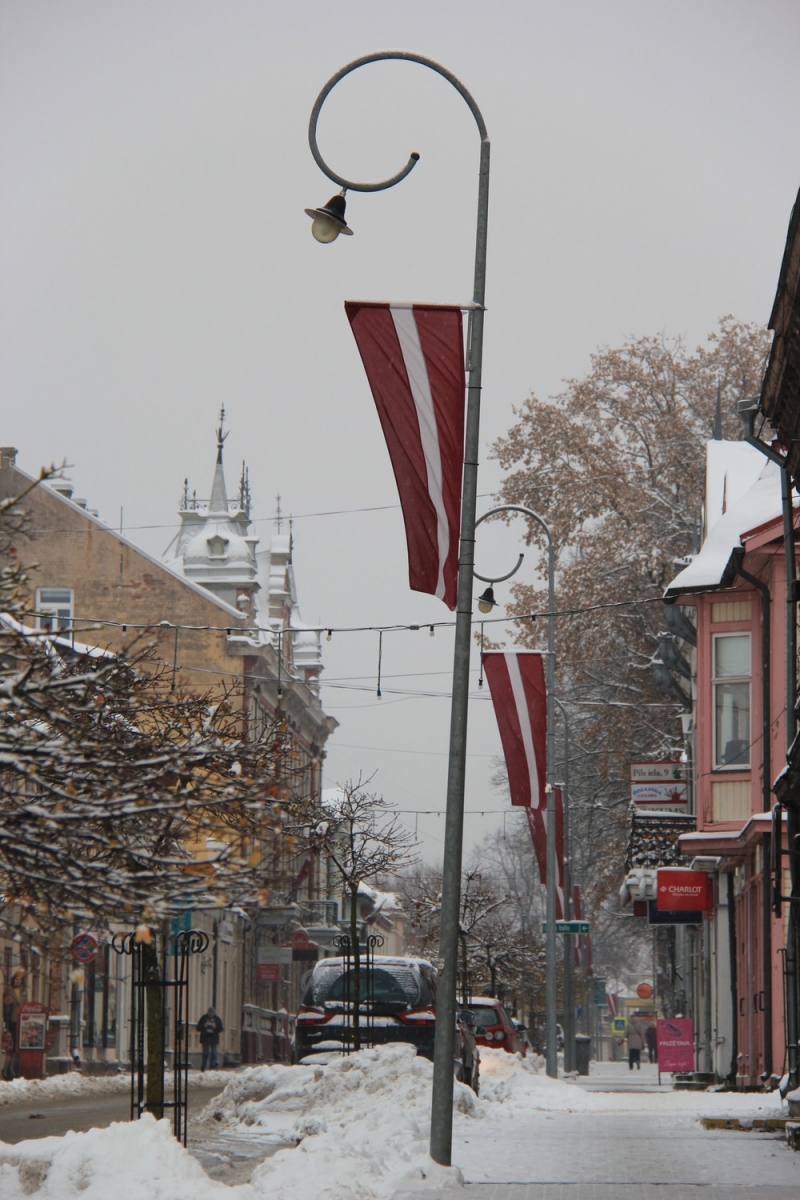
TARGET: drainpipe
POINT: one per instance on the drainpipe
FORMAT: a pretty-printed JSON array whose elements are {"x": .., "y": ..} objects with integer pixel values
[
  {"x": 766, "y": 805},
  {"x": 747, "y": 414},
  {"x": 734, "y": 988}
]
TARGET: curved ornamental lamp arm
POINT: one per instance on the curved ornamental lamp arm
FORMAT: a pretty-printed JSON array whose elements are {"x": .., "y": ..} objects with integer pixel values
[
  {"x": 381, "y": 56},
  {"x": 328, "y": 223}
]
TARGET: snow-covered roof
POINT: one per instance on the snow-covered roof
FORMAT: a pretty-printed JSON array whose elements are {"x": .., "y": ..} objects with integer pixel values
[
  {"x": 745, "y": 497},
  {"x": 731, "y": 470}
]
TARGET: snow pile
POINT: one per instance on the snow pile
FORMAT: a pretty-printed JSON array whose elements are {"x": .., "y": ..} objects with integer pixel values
[
  {"x": 514, "y": 1086},
  {"x": 75, "y": 1084},
  {"x": 139, "y": 1160},
  {"x": 358, "y": 1126},
  {"x": 355, "y": 1129}
]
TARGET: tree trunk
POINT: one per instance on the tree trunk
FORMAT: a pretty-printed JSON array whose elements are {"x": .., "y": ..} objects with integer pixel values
[
  {"x": 354, "y": 947},
  {"x": 154, "y": 993}
]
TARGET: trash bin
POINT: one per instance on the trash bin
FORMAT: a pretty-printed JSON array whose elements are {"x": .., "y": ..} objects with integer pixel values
[{"x": 583, "y": 1053}]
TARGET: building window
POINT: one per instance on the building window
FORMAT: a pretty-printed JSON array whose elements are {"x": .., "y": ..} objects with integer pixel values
[
  {"x": 731, "y": 670},
  {"x": 53, "y": 609}
]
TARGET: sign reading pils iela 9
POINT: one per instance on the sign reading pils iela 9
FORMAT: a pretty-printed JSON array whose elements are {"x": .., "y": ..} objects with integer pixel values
[{"x": 681, "y": 890}]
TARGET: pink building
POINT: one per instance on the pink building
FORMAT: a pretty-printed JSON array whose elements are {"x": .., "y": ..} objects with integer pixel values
[{"x": 736, "y": 586}]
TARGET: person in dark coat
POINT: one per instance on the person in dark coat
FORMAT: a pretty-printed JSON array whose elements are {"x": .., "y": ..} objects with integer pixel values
[
  {"x": 652, "y": 1042},
  {"x": 635, "y": 1037},
  {"x": 209, "y": 1027}
]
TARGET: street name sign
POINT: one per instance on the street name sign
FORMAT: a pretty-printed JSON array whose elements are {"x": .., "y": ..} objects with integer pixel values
[
  {"x": 657, "y": 772},
  {"x": 569, "y": 927}
]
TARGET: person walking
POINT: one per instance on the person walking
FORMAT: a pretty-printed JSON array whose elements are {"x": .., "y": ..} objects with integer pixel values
[
  {"x": 651, "y": 1038},
  {"x": 635, "y": 1036},
  {"x": 209, "y": 1027}
]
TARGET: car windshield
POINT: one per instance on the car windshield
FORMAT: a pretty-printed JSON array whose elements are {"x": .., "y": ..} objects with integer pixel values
[
  {"x": 400, "y": 986},
  {"x": 484, "y": 1015}
]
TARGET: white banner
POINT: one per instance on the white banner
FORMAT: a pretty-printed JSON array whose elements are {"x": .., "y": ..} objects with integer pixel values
[{"x": 665, "y": 797}]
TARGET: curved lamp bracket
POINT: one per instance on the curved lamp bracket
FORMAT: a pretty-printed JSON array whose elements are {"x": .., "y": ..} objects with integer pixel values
[
  {"x": 519, "y": 508},
  {"x": 381, "y": 56}
]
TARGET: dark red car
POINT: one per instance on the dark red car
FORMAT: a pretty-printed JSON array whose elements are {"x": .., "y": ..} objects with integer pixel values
[{"x": 500, "y": 1032}]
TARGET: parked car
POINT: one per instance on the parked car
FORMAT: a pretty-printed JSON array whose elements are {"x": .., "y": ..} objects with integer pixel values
[
  {"x": 498, "y": 1029},
  {"x": 468, "y": 1056},
  {"x": 397, "y": 1004}
]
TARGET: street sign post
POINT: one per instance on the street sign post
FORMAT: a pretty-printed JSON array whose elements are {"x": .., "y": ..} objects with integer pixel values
[
  {"x": 83, "y": 948},
  {"x": 569, "y": 927}
]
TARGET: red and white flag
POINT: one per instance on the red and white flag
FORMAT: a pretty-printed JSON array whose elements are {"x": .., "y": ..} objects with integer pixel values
[
  {"x": 414, "y": 359},
  {"x": 516, "y": 682},
  {"x": 537, "y": 824}
]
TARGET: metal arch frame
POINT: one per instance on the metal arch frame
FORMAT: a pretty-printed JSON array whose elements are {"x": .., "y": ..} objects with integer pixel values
[
  {"x": 551, "y": 992},
  {"x": 442, "y": 1093}
]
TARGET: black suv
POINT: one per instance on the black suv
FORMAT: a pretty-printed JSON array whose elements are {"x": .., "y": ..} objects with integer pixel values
[{"x": 397, "y": 1004}]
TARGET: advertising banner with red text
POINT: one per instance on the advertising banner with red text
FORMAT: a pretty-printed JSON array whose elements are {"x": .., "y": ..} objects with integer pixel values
[{"x": 679, "y": 890}]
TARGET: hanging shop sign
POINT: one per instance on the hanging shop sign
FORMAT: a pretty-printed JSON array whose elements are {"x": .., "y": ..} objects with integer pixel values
[
  {"x": 303, "y": 949},
  {"x": 659, "y": 786},
  {"x": 675, "y": 1039},
  {"x": 682, "y": 890},
  {"x": 684, "y": 917},
  {"x": 657, "y": 772},
  {"x": 661, "y": 797}
]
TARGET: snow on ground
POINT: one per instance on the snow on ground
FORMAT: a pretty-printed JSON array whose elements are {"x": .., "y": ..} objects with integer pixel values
[
  {"x": 509, "y": 1083},
  {"x": 139, "y": 1160},
  {"x": 360, "y": 1124},
  {"x": 75, "y": 1084},
  {"x": 353, "y": 1129}
]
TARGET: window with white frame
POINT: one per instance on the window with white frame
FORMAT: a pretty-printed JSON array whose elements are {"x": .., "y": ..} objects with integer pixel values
[
  {"x": 731, "y": 681},
  {"x": 53, "y": 609}
]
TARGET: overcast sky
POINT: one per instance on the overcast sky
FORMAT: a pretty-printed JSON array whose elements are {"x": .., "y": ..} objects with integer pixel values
[{"x": 156, "y": 263}]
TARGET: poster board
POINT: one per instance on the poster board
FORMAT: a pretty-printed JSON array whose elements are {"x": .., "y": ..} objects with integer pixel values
[{"x": 675, "y": 1039}]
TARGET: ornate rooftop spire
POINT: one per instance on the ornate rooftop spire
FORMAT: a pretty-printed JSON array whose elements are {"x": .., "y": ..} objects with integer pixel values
[
  {"x": 220, "y": 435},
  {"x": 219, "y": 494}
]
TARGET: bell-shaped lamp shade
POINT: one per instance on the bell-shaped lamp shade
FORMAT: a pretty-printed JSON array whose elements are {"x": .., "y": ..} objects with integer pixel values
[
  {"x": 487, "y": 602},
  {"x": 328, "y": 221}
]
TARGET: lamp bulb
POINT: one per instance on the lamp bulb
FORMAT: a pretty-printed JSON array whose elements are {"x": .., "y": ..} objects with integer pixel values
[{"x": 325, "y": 230}]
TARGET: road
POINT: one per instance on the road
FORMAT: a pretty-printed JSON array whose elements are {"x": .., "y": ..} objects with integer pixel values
[{"x": 44, "y": 1118}]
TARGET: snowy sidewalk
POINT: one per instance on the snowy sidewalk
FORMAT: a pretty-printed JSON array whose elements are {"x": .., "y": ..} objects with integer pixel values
[
  {"x": 357, "y": 1129},
  {"x": 636, "y": 1140}
]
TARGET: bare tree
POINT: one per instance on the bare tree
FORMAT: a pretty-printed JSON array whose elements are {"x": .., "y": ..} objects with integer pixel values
[
  {"x": 365, "y": 841},
  {"x": 615, "y": 465}
]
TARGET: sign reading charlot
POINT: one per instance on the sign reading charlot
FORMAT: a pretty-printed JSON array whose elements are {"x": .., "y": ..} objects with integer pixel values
[{"x": 682, "y": 890}]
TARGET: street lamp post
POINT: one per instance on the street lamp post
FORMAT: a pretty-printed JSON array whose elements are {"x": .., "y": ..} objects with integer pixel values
[
  {"x": 569, "y": 961},
  {"x": 329, "y": 221},
  {"x": 551, "y": 990}
]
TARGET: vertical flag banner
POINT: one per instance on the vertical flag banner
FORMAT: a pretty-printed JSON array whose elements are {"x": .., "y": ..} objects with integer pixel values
[
  {"x": 413, "y": 355},
  {"x": 576, "y": 912},
  {"x": 516, "y": 682},
  {"x": 560, "y": 913},
  {"x": 536, "y": 824}
]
